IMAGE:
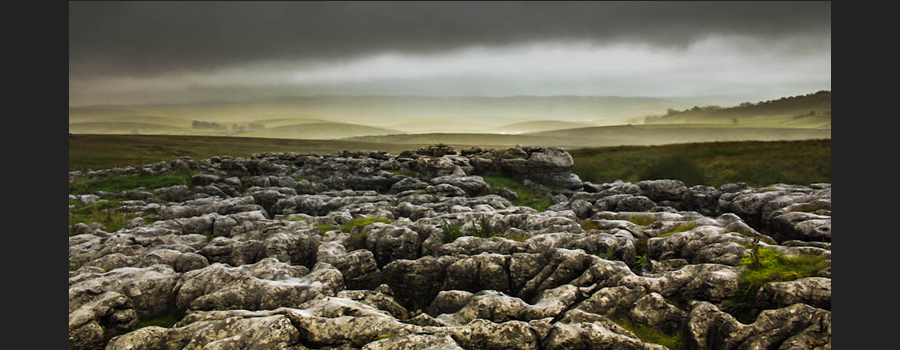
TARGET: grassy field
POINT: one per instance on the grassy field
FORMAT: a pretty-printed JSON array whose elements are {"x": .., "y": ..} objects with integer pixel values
[
  {"x": 108, "y": 151},
  {"x": 756, "y": 163},
  {"x": 609, "y": 136}
]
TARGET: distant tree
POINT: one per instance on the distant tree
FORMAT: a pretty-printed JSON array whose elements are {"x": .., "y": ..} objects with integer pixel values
[
  {"x": 238, "y": 128},
  {"x": 207, "y": 126},
  {"x": 734, "y": 121},
  {"x": 254, "y": 127}
]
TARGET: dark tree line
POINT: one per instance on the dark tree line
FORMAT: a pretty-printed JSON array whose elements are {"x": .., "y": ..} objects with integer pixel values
[
  {"x": 221, "y": 127},
  {"x": 207, "y": 126}
]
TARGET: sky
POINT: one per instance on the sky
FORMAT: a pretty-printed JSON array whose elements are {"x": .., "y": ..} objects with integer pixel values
[{"x": 124, "y": 53}]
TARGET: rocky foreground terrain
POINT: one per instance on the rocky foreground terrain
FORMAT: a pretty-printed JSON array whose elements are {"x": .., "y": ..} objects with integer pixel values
[{"x": 417, "y": 250}]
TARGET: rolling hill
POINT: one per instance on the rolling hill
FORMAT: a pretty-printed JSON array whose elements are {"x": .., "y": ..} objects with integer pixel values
[
  {"x": 538, "y": 125},
  {"x": 318, "y": 131},
  {"x": 804, "y": 111},
  {"x": 117, "y": 127}
]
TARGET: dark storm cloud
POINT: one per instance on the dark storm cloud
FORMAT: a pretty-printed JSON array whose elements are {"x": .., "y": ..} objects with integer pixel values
[{"x": 150, "y": 38}]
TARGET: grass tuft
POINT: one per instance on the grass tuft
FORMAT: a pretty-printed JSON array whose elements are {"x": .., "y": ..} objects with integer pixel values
[
  {"x": 650, "y": 335},
  {"x": 323, "y": 228},
  {"x": 679, "y": 167},
  {"x": 358, "y": 237},
  {"x": 641, "y": 220},
  {"x": 485, "y": 231},
  {"x": 451, "y": 232},
  {"x": 116, "y": 184},
  {"x": 165, "y": 321},
  {"x": 589, "y": 225},
  {"x": 687, "y": 226},
  {"x": 528, "y": 198},
  {"x": 772, "y": 267},
  {"x": 102, "y": 211},
  {"x": 362, "y": 222}
]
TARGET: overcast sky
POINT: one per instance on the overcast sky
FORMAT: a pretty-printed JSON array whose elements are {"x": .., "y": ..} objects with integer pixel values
[{"x": 151, "y": 52}]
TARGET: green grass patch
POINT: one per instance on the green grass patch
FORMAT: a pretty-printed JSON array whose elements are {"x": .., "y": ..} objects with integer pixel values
[
  {"x": 358, "y": 237},
  {"x": 102, "y": 211},
  {"x": 451, "y": 232},
  {"x": 379, "y": 337},
  {"x": 527, "y": 197},
  {"x": 641, "y": 247},
  {"x": 323, "y": 228},
  {"x": 519, "y": 238},
  {"x": 757, "y": 163},
  {"x": 641, "y": 220},
  {"x": 640, "y": 261},
  {"x": 485, "y": 230},
  {"x": 679, "y": 167},
  {"x": 773, "y": 267},
  {"x": 687, "y": 226},
  {"x": 589, "y": 225},
  {"x": 403, "y": 172},
  {"x": 650, "y": 335},
  {"x": 116, "y": 184},
  {"x": 298, "y": 218},
  {"x": 362, "y": 222},
  {"x": 165, "y": 321}
]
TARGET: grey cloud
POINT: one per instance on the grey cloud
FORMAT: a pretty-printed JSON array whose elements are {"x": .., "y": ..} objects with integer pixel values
[{"x": 149, "y": 38}]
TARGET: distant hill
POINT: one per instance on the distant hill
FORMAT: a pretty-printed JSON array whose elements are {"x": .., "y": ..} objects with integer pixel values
[
  {"x": 804, "y": 111},
  {"x": 404, "y": 113},
  {"x": 125, "y": 128},
  {"x": 538, "y": 125},
  {"x": 318, "y": 131},
  {"x": 280, "y": 122}
]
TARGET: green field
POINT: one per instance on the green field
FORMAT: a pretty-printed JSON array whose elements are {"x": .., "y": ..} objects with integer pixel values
[
  {"x": 609, "y": 136},
  {"x": 108, "y": 151},
  {"x": 755, "y": 162}
]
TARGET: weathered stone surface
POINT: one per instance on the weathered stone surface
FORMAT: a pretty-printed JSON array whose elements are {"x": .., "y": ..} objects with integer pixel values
[
  {"x": 265, "y": 285},
  {"x": 358, "y": 267},
  {"x": 95, "y": 322},
  {"x": 813, "y": 291},
  {"x": 709, "y": 328},
  {"x": 150, "y": 289},
  {"x": 236, "y": 332},
  {"x": 253, "y": 255},
  {"x": 591, "y": 336},
  {"x": 389, "y": 243}
]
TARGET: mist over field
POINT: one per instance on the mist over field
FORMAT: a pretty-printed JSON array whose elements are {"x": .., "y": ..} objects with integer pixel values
[{"x": 562, "y": 121}]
